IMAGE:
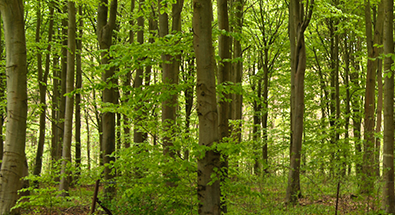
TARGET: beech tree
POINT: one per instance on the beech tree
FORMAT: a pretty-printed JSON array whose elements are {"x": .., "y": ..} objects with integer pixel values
[
  {"x": 298, "y": 24},
  {"x": 68, "y": 124},
  {"x": 388, "y": 148},
  {"x": 208, "y": 192},
  {"x": 14, "y": 151},
  {"x": 373, "y": 52},
  {"x": 105, "y": 28}
]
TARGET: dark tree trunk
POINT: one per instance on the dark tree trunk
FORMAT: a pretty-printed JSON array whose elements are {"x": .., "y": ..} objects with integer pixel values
[
  {"x": 209, "y": 192},
  {"x": 78, "y": 95},
  {"x": 373, "y": 51},
  {"x": 388, "y": 148},
  {"x": 298, "y": 24},
  {"x": 105, "y": 28}
]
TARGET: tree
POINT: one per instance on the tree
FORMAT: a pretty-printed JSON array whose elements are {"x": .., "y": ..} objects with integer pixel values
[
  {"x": 14, "y": 152},
  {"x": 42, "y": 81},
  {"x": 388, "y": 148},
  {"x": 78, "y": 94},
  {"x": 68, "y": 124},
  {"x": 105, "y": 29},
  {"x": 298, "y": 24},
  {"x": 373, "y": 52},
  {"x": 224, "y": 77},
  {"x": 208, "y": 191}
]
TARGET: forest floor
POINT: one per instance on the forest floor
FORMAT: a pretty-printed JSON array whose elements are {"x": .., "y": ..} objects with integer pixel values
[{"x": 271, "y": 202}]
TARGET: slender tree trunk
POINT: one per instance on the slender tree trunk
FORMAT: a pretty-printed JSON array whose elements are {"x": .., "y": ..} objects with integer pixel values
[
  {"x": 63, "y": 75},
  {"x": 105, "y": 30},
  {"x": 188, "y": 94},
  {"x": 78, "y": 95},
  {"x": 209, "y": 191},
  {"x": 356, "y": 109},
  {"x": 13, "y": 162},
  {"x": 265, "y": 113},
  {"x": 138, "y": 134},
  {"x": 42, "y": 81},
  {"x": 224, "y": 77},
  {"x": 127, "y": 83},
  {"x": 347, "y": 101},
  {"x": 368, "y": 155},
  {"x": 298, "y": 24},
  {"x": 88, "y": 140},
  {"x": 169, "y": 79},
  {"x": 41, "y": 139},
  {"x": 237, "y": 100},
  {"x": 68, "y": 124},
  {"x": 388, "y": 149},
  {"x": 379, "y": 111},
  {"x": 256, "y": 131}
]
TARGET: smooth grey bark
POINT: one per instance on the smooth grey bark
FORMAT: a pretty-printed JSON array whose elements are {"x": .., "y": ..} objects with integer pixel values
[
  {"x": 16, "y": 71},
  {"x": 209, "y": 191},
  {"x": 388, "y": 148},
  {"x": 65, "y": 179}
]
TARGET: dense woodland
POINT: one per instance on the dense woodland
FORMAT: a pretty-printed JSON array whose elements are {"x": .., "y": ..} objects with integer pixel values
[{"x": 197, "y": 107}]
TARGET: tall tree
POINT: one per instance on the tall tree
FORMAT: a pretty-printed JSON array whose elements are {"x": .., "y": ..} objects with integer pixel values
[
  {"x": 42, "y": 81},
  {"x": 16, "y": 71},
  {"x": 224, "y": 77},
  {"x": 78, "y": 94},
  {"x": 68, "y": 124},
  {"x": 237, "y": 70},
  {"x": 388, "y": 149},
  {"x": 170, "y": 77},
  {"x": 105, "y": 28},
  {"x": 373, "y": 52},
  {"x": 208, "y": 191},
  {"x": 298, "y": 22}
]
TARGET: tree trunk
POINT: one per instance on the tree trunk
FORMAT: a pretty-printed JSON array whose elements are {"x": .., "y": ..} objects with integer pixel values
[
  {"x": 169, "y": 78},
  {"x": 209, "y": 191},
  {"x": 388, "y": 148},
  {"x": 78, "y": 95},
  {"x": 368, "y": 155},
  {"x": 104, "y": 33},
  {"x": 237, "y": 73},
  {"x": 379, "y": 111},
  {"x": 298, "y": 24},
  {"x": 63, "y": 75},
  {"x": 347, "y": 102},
  {"x": 16, "y": 71},
  {"x": 356, "y": 110},
  {"x": 126, "y": 83},
  {"x": 138, "y": 134},
  {"x": 42, "y": 80},
  {"x": 188, "y": 94},
  {"x": 224, "y": 77},
  {"x": 68, "y": 124}
]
